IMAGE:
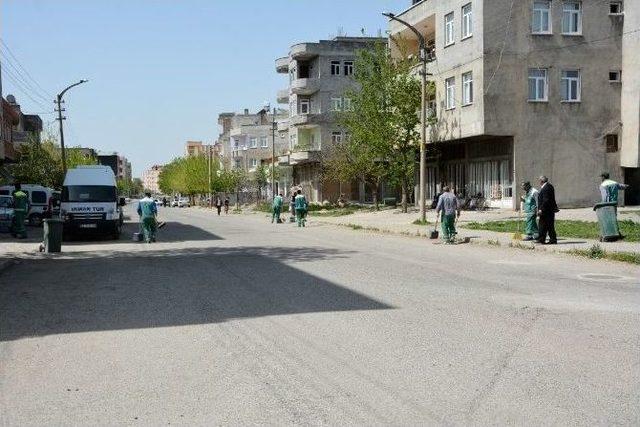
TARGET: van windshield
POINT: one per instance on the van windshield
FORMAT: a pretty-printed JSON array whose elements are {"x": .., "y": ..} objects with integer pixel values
[{"x": 89, "y": 193}]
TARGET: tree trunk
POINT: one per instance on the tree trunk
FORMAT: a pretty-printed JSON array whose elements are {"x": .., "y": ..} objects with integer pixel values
[
  {"x": 404, "y": 196},
  {"x": 375, "y": 196}
]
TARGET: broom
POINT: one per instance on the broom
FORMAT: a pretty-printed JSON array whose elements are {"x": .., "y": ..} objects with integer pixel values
[{"x": 518, "y": 235}]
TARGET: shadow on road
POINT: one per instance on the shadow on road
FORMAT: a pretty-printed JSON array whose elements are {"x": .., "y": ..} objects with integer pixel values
[
  {"x": 171, "y": 232},
  {"x": 165, "y": 288}
]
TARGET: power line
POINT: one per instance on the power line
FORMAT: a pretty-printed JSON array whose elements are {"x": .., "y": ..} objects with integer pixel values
[
  {"x": 26, "y": 84},
  {"x": 24, "y": 69},
  {"x": 24, "y": 91}
]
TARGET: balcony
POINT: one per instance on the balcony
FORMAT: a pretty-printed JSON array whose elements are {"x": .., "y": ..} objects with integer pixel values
[
  {"x": 282, "y": 65},
  {"x": 303, "y": 51},
  {"x": 283, "y": 96},
  {"x": 283, "y": 125},
  {"x": 305, "y": 86},
  {"x": 305, "y": 120},
  {"x": 303, "y": 156}
]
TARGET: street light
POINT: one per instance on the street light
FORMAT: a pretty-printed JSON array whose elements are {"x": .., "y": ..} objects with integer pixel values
[
  {"x": 60, "y": 119},
  {"x": 423, "y": 113}
]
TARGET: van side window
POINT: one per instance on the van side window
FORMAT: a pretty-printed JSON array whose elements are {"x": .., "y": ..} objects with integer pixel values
[
  {"x": 39, "y": 197},
  {"x": 4, "y": 193}
]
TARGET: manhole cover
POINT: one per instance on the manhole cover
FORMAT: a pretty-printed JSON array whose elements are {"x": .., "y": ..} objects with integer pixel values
[{"x": 602, "y": 277}]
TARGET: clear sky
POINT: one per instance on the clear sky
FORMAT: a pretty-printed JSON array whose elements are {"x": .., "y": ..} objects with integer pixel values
[{"x": 160, "y": 71}]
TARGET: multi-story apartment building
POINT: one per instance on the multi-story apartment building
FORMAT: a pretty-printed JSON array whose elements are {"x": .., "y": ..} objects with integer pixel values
[
  {"x": 530, "y": 87},
  {"x": 119, "y": 164},
  {"x": 319, "y": 76},
  {"x": 150, "y": 179},
  {"x": 247, "y": 139}
]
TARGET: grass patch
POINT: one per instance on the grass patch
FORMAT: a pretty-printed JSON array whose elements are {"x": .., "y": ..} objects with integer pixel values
[
  {"x": 519, "y": 245},
  {"x": 565, "y": 228},
  {"x": 336, "y": 212},
  {"x": 421, "y": 222},
  {"x": 596, "y": 252},
  {"x": 493, "y": 242},
  {"x": 355, "y": 226}
]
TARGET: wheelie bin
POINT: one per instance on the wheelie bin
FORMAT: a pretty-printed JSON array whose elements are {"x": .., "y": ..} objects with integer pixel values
[
  {"x": 608, "y": 221},
  {"x": 52, "y": 235}
]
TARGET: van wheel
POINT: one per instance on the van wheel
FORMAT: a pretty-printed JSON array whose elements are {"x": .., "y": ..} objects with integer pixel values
[
  {"x": 35, "y": 220},
  {"x": 116, "y": 232}
]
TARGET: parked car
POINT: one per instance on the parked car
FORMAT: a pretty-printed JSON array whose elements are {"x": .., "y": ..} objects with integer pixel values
[
  {"x": 40, "y": 201},
  {"x": 174, "y": 203},
  {"x": 6, "y": 213},
  {"x": 184, "y": 202}
]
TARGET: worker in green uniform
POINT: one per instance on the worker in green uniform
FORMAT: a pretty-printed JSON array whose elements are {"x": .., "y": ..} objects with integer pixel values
[
  {"x": 530, "y": 209},
  {"x": 609, "y": 189},
  {"x": 21, "y": 209},
  {"x": 448, "y": 205},
  {"x": 148, "y": 211},
  {"x": 277, "y": 209},
  {"x": 301, "y": 207}
]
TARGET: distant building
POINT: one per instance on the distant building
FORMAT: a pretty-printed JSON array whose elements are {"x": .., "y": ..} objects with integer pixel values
[
  {"x": 247, "y": 139},
  {"x": 194, "y": 148},
  {"x": 150, "y": 179},
  {"x": 319, "y": 74},
  {"x": 119, "y": 164},
  {"x": 28, "y": 128}
]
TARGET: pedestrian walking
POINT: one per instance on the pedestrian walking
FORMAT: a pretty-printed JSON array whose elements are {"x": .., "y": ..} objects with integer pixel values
[
  {"x": 148, "y": 212},
  {"x": 547, "y": 209},
  {"x": 530, "y": 209},
  {"x": 218, "y": 204},
  {"x": 20, "y": 209},
  {"x": 301, "y": 207},
  {"x": 447, "y": 207},
  {"x": 164, "y": 202},
  {"x": 609, "y": 189},
  {"x": 226, "y": 206},
  {"x": 292, "y": 205},
  {"x": 277, "y": 209}
]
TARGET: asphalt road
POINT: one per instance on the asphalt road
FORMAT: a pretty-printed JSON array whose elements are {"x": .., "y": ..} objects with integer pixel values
[{"x": 233, "y": 320}]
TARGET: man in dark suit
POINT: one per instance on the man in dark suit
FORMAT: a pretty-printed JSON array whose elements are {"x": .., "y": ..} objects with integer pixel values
[{"x": 547, "y": 209}]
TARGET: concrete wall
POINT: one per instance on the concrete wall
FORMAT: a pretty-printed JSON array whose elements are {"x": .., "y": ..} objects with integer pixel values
[
  {"x": 630, "y": 141},
  {"x": 564, "y": 141}
]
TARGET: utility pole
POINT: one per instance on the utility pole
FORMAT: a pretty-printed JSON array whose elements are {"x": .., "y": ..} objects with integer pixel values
[
  {"x": 423, "y": 114},
  {"x": 273, "y": 154},
  {"x": 59, "y": 101},
  {"x": 209, "y": 182}
]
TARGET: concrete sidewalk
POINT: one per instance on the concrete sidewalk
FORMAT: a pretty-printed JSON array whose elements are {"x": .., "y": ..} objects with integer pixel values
[{"x": 393, "y": 221}]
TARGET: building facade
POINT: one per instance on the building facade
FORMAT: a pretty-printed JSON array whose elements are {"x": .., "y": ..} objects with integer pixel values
[
  {"x": 529, "y": 88},
  {"x": 247, "y": 141},
  {"x": 319, "y": 75},
  {"x": 119, "y": 164},
  {"x": 150, "y": 179}
]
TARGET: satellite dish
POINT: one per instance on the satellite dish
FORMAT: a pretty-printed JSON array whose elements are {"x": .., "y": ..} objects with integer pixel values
[{"x": 11, "y": 99}]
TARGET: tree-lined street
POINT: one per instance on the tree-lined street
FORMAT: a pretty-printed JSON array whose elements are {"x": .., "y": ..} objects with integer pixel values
[{"x": 230, "y": 320}]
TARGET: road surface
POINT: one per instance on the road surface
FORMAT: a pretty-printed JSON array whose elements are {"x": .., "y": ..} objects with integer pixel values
[{"x": 233, "y": 320}]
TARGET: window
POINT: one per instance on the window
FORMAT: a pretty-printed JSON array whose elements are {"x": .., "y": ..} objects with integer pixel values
[
  {"x": 253, "y": 142},
  {"x": 570, "y": 86},
  {"x": 467, "y": 88},
  {"x": 538, "y": 84},
  {"x": 305, "y": 106},
  {"x": 336, "y": 137},
  {"x": 38, "y": 197},
  {"x": 335, "y": 68},
  {"x": 541, "y": 22},
  {"x": 448, "y": 29},
  {"x": 238, "y": 164},
  {"x": 336, "y": 104},
  {"x": 615, "y": 76},
  {"x": 615, "y": 8},
  {"x": 467, "y": 21},
  {"x": 572, "y": 18},
  {"x": 611, "y": 142},
  {"x": 263, "y": 142},
  {"x": 450, "y": 93},
  {"x": 254, "y": 163},
  {"x": 348, "y": 68},
  {"x": 346, "y": 104}
]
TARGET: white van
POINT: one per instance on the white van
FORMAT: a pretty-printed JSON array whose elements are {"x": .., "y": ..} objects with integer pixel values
[
  {"x": 90, "y": 202},
  {"x": 41, "y": 201}
]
